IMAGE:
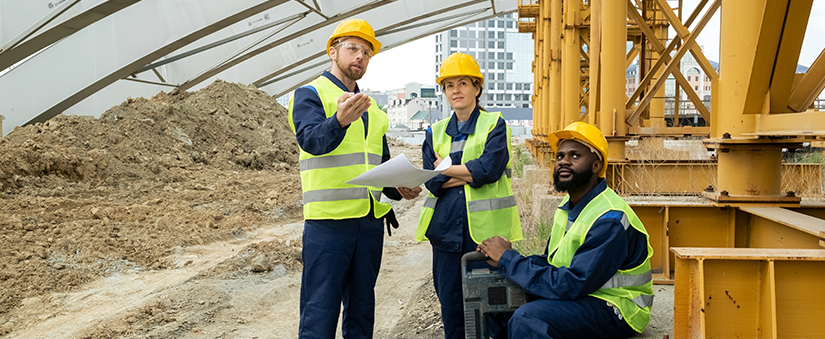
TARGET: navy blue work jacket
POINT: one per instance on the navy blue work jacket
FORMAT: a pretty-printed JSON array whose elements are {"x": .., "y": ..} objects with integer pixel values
[
  {"x": 607, "y": 248},
  {"x": 449, "y": 226},
  {"x": 318, "y": 134}
]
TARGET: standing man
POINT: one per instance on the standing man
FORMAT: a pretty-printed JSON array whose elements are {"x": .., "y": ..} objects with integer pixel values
[
  {"x": 594, "y": 279},
  {"x": 341, "y": 135}
]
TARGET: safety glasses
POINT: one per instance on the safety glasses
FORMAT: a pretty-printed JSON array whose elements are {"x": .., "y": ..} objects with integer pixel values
[{"x": 356, "y": 48}]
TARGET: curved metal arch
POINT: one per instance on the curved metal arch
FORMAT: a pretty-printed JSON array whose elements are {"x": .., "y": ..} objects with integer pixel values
[
  {"x": 79, "y": 73},
  {"x": 40, "y": 35}
]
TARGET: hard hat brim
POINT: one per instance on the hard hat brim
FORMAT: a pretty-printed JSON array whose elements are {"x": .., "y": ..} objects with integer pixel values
[{"x": 554, "y": 139}]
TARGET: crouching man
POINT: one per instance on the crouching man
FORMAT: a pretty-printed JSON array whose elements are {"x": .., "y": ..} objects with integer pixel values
[{"x": 594, "y": 279}]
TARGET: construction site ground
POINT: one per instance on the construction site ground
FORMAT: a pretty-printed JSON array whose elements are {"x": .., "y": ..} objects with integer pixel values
[{"x": 179, "y": 216}]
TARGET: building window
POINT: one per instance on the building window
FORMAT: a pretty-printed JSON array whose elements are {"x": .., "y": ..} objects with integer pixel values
[
  {"x": 525, "y": 97},
  {"x": 462, "y": 34},
  {"x": 501, "y": 35},
  {"x": 509, "y": 65},
  {"x": 491, "y": 35},
  {"x": 509, "y": 24},
  {"x": 526, "y": 87},
  {"x": 491, "y": 55},
  {"x": 500, "y": 65},
  {"x": 490, "y": 97},
  {"x": 509, "y": 55},
  {"x": 491, "y": 23},
  {"x": 501, "y": 44},
  {"x": 499, "y": 97},
  {"x": 508, "y": 97},
  {"x": 453, "y": 43},
  {"x": 501, "y": 55},
  {"x": 696, "y": 88},
  {"x": 501, "y": 85},
  {"x": 509, "y": 86},
  {"x": 472, "y": 34},
  {"x": 453, "y": 33},
  {"x": 491, "y": 86},
  {"x": 518, "y": 86},
  {"x": 491, "y": 65},
  {"x": 491, "y": 44},
  {"x": 501, "y": 24}
]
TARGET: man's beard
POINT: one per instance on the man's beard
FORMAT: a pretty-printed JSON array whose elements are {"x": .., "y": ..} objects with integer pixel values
[
  {"x": 348, "y": 72},
  {"x": 579, "y": 179}
]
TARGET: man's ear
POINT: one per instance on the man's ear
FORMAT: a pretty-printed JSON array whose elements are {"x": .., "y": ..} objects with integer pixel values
[{"x": 597, "y": 165}]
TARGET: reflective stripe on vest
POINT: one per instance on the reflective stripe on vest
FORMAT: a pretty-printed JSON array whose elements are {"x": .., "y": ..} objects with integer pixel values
[
  {"x": 340, "y": 160},
  {"x": 492, "y": 208},
  {"x": 631, "y": 290},
  {"x": 491, "y": 204},
  {"x": 324, "y": 177}
]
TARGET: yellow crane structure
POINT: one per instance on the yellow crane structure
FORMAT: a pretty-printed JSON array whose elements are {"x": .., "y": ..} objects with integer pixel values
[{"x": 744, "y": 251}]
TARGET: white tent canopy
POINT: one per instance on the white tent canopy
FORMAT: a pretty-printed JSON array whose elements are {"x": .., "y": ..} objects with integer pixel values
[{"x": 84, "y": 56}]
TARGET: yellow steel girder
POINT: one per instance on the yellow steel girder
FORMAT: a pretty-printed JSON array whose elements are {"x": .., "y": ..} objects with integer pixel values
[{"x": 748, "y": 293}]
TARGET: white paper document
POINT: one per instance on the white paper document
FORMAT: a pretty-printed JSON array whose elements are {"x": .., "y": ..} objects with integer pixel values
[{"x": 399, "y": 172}]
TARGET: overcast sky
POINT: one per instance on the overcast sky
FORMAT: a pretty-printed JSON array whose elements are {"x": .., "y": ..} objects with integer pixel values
[{"x": 415, "y": 61}]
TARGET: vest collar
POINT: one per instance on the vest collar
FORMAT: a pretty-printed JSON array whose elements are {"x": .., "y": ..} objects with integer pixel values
[
  {"x": 469, "y": 127},
  {"x": 574, "y": 213},
  {"x": 338, "y": 82}
]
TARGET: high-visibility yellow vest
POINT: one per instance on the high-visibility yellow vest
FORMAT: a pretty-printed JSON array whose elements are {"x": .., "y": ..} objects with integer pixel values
[
  {"x": 324, "y": 177},
  {"x": 491, "y": 209},
  {"x": 631, "y": 291}
]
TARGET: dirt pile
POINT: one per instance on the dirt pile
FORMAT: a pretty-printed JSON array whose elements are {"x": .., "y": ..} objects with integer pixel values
[{"x": 82, "y": 198}]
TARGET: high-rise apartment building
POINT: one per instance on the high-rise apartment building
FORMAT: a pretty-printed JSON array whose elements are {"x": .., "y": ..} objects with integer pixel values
[{"x": 504, "y": 55}]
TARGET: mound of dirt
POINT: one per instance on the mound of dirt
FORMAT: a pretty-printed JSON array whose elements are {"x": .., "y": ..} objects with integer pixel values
[{"x": 82, "y": 198}]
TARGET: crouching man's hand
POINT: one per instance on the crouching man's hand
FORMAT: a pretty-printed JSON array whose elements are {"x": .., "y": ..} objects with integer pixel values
[{"x": 493, "y": 248}]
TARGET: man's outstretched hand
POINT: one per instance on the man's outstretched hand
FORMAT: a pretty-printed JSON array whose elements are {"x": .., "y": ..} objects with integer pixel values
[
  {"x": 351, "y": 107},
  {"x": 493, "y": 248}
]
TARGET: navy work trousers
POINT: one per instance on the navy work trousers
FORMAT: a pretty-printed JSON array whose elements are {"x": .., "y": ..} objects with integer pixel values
[
  {"x": 587, "y": 317},
  {"x": 341, "y": 263},
  {"x": 447, "y": 281}
]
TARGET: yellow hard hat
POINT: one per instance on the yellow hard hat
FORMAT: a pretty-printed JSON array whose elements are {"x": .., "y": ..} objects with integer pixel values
[
  {"x": 583, "y": 132},
  {"x": 458, "y": 64},
  {"x": 357, "y": 28}
]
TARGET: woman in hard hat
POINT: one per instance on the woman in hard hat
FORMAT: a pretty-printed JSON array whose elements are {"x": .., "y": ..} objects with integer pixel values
[{"x": 473, "y": 199}]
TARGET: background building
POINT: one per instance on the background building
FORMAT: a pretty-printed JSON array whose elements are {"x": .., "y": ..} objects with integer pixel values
[
  {"x": 414, "y": 106},
  {"x": 504, "y": 56}
]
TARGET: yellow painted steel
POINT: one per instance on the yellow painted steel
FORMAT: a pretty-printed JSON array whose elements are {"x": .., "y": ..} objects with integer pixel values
[
  {"x": 595, "y": 55},
  {"x": 748, "y": 293},
  {"x": 809, "y": 86},
  {"x": 694, "y": 223},
  {"x": 553, "y": 96},
  {"x": 736, "y": 52},
  {"x": 613, "y": 70},
  {"x": 750, "y": 171},
  {"x": 793, "y": 31},
  {"x": 570, "y": 64},
  {"x": 759, "y": 106}
]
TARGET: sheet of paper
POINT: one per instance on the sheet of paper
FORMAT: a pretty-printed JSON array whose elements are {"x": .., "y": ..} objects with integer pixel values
[{"x": 398, "y": 172}]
